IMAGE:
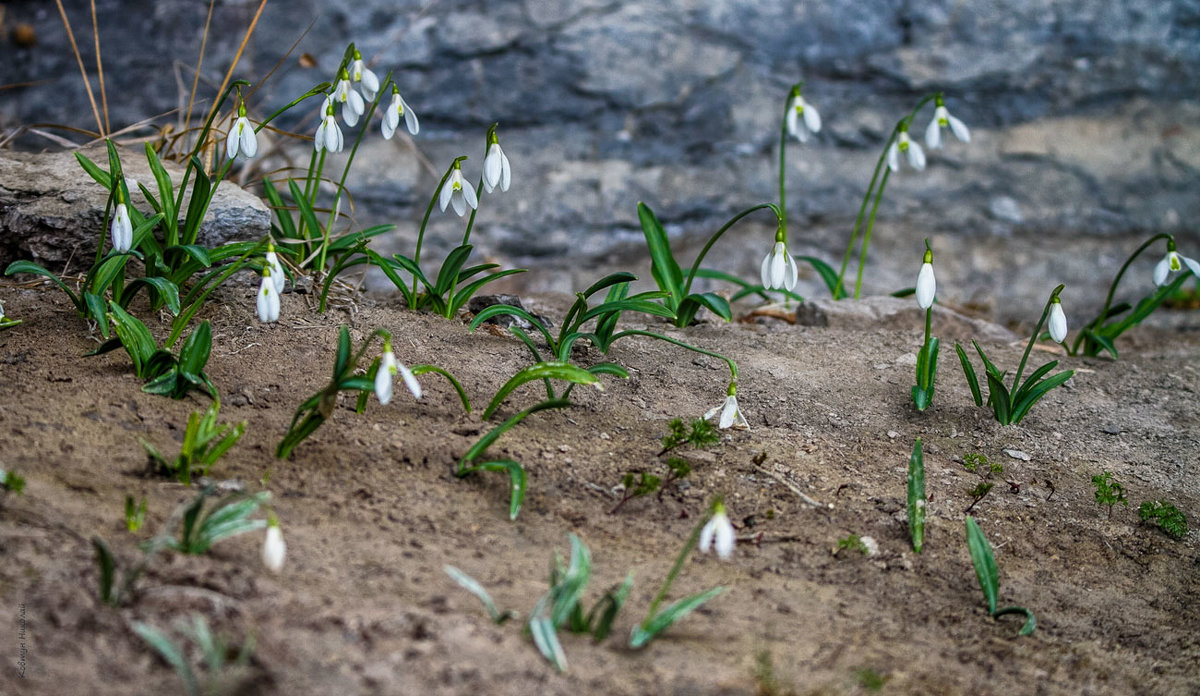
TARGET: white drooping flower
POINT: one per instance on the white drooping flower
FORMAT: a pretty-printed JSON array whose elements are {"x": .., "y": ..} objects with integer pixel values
[
  {"x": 366, "y": 79},
  {"x": 1172, "y": 262},
  {"x": 329, "y": 136},
  {"x": 926, "y": 283},
  {"x": 902, "y": 143},
  {"x": 718, "y": 533},
  {"x": 1058, "y": 321},
  {"x": 268, "y": 298},
  {"x": 241, "y": 139},
  {"x": 277, "y": 275},
  {"x": 388, "y": 367},
  {"x": 456, "y": 191},
  {"x": 943, "y": 119},
  {"x": 731, "y": 415},
  {"x": 121, "y": 229},
  {"x": 398, "y": 108},
  {"x": 778, "y": 268},
  {"x": 274, "y": 548},
  {"x": 802, "y": 117},
  {"x": 496, "y": 172},
  {"x": 351, "y": 101}
]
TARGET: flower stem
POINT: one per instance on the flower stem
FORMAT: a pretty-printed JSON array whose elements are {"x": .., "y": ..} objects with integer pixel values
[
  {"x": 733, "y": 371},
  {"x": 1036, "y": 332},
  {"x": 690, "y": 544},
  {"x": 1099, "y": 320},
  {"x": 425, "y": 220},
  {"x": 862, "y": 256},
  {"x": 687, "y": 286}
]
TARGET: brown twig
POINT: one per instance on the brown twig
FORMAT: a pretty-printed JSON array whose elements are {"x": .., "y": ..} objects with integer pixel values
[{"x": 100, "y": 66}]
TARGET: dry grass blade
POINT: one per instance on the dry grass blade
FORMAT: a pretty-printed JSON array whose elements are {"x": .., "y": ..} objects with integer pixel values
[
  {"x": 100, "y": 66},
  {"x": 79, "y": 59},
  {"x": 199, "y": 62},
  {"x": 237, "y": 57}
]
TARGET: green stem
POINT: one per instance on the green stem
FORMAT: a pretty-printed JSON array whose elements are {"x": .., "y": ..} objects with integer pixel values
[
  {"x": 928, "y": 330},
  {"x": 466, "y": 236},
  {"x": 687, "y": 286},
  {"x": 862, "y": 210},
  {"x": 862, "y": 256},
  {"x": 782, "y": 212},
  {"x": 690, "y": 544},
  {"x": 733, "y": 371},
  {"x": 1036, "y": 332},
  {"x": 425, "y": 220},
  {"x": 1112, "y": 290}
]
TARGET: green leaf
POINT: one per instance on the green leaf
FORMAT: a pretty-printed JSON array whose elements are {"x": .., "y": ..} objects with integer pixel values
[
  {"x": 545, "y": 637},
  {"x": 306, "y": 211},
  {"x": 499, "y": 309},
  {"x": 108, "y": 565},
  {"x": 166, "y": 194},
  {"x": 342, "y": 361},
  {"x": 198, "y": 253},
  {"x": 412, "y": 267},
  {"x": 492, "y": 435},
  {"x": 1033, "y": 378},
  {"x": 1102, "y": 341},
  {"x": 662, "y": 264},
  {"x": 827, "y": 274},
  {"x": 450, "y": 268},
  {"x": 985, "y": 563},
  {"x": 458, "y": 387},
  {"x": 605, "y": 612},
  {"x": 517, "y": 485},
  {"x": 471, "y": 585},
  {"x": 969, "y": 371},
  {"x": 916, "y": 497},
  {"x": 94, "y": 171},
  {"x": 282, "y": 213},
  {"x": 1030, "y": 622},
  {"x": 715, "y": 303},
  {"x": 170, "y": 653},
  {"x": 544, "y": 370},
  {"x": 198, "y": 205},
  {"x": 348, "y": 240},
  {"x": 608, "y": 281},
  {"x": 644, "y": 633},
  {"x": 467, "y": 291},
  {"x": 1000, "y": 400},
  {"x": 31, "y": 267},
  {"x": 168, "y": 291},
  {"x": 1037, "y": 392},
  {"x": 194, "y": 354},
  {"x": 135, "y": 337},
  {"x": 627, "y": 305}
]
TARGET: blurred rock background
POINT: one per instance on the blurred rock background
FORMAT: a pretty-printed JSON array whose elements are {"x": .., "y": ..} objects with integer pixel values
[{"x": 1083, "y": 114}]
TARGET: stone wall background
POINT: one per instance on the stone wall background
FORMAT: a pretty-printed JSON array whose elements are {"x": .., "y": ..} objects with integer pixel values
[{"x": 1084, "y": 116}]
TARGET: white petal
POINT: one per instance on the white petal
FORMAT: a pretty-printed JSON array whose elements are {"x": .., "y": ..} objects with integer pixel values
[
  {"x": 410, "y": 381},
  {"x": 1058, "y": 323},
  {"x": 460, "y": 205},
  {"x": 959, "y": 129},
  {"x": 231, "y": 142},
  {"x": 1161, "y": 269},
  {"x": 274, "y": 549},
  {"x": 766, "y": 270},
  {"x": 387, "y": 127},
  {"x": 319, "y": 138},
  {"x": 778, "y": 265},
  {"x": 725, "y": 536},
  {"x": 1192, "y": 265},
  {"x": 926, "y": 286},
  {"x": 505, "y": 172},
  {"x": 336, "y": 146},
  {"x": 893, "y": 157},
  {"x": 812, "y": 119},
  {"x": 487, "y": 188},
  {"x": 492, "y": 166},
  {"x": 249, "y": 144},
  {"x": 370, "y": 84},
  {"x": 277, "y": 276},
  {"x": 349, "y": 114},
  {"x": 410, "y": 120},
  {"x": 933, "y": 134},
  {"x": 713, "y": 411},
  {"x": 446, "y": 193},
  {"x": 792, "y": 276},
  {"x": 266, "y": 290},
  {"x": 916, "y": 156},
  {"x": 383, "y": 377},
  {"x": 707, "y": 535},
  {"x": 728, "y": 413},
  {"x": 469, "y": 194},
  {"x": 791, "y": 122}
]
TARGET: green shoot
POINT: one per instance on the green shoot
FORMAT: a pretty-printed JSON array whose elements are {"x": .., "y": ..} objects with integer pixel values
[
  {"x": 135, "y": 513},
  {"x": 164, "y": 373},
  {"x": 989, "y": 576},
  {"x": 979, "y": 465},
  {"x": 204, "y": 442},
  {"x": 213, "y": 650},
  {"x": 1169, "y": 518},
  {"x": 922, "y": 391},
  {"x": 852, "y": 542},
  {"x": 699, "y": 434},
  {"x": 1011, "y": 404},
  {"x": 916, "y": 497},
  {"x": 1108, "y": 491},
  {"x": 472, "y": 585},
  {"x": 11, "y": 482},
  {"x": 230, "y": 516}
]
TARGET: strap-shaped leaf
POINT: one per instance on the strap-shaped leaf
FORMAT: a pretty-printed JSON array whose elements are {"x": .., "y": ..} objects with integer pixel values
[
  {"x": 1030, "y": 622},
  {"x": 496, "y": 310},
  {"x": 545, "y": 637},
  {"x": 828, "y": 275},
  {"x": 985, "y": 563},
  {"x": 31, "y": 267},
  {"x": 283, "y": 214},
  {"x": 468, "y": 291},
  {"x": 545, "y": 370},
  {"x": 196, "y": 349},
  {"x": 692, "y": 303},
  {"x": 94, "y": 171},
  {"x": 313, "y": 228},
  {"x": 167, "y": 291},
  {"x": 1033, "y": 378},
  {"x": 166, "y": 195},
  {"x": 999, "y": 399},
  {"x": 643, "y": 634},
  {"x": 602, "y": 615},
  {"x": 472, "y": 585},
  {"x": 108, "y": 566},
  {"x": 454, "y": 262},
  {"x": 916, "y": 497},
  {"x": 346, "y": 241},
  {"x": 1101, "y": 341},
  {"x": 609, "y": 281},
  {"x": 627, "y": 305},
  {"x": 1036, "y": 393},
  {"x": 987, "y": 364},
  {"x": 969, "y": 372},
  {"x": 342, "y": 361},
  {"x": 171, "y": 654},
  {"x": 517, "y": 481},
  {"x": 135, "y": 337},
  {"x": 458, "y": 387},
  {"x": 411, "y": 266},
  {"x": 662, "y": 264},
  {"x": 492, "y": 435}
]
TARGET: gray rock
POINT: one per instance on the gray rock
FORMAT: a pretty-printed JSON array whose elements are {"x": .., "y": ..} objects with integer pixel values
[{"x": 52, "y": 212}]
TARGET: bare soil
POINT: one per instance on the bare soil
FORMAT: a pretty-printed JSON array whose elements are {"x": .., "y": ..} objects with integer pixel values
[{"x": 371, "y": 513}]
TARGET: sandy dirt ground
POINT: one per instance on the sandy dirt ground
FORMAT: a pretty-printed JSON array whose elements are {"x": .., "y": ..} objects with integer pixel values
[{"x": 371, "y": 512}]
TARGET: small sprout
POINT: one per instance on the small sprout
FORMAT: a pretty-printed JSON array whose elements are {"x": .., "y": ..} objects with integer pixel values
[
  {"x": 1168, "y": 517},
  {"x": 226, "y": 518},
  {"x": 699, "y": 434},
  {"x": 135, "y": 514},
  {"x": 853, "y": 542},
  {"x": 11, "y": 482},
  {"x": 472, "y": 585},
  {"x": 870, "y": 679},
  {"x": 219, "y": 675},
  {"x": 1108, "y": 491},
  {"x": 989, "y": 576},
  {"x": 916, "y": 497},
  {"x": 980, "y": 465},
  {"x": 204, "y": 443}
]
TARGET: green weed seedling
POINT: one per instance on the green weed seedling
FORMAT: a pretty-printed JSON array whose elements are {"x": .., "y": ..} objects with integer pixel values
[
  {"x": 636, "y": 484},
  {"x": 318, "y": 408},
  {"x": 1100, "y": 334},
  {"x": 163, "y": 373},
  {"x": 1108, "y": 491},
  {"x": 916, "y": 497},
  {"x": 204, "y": 442},
  {"x": 219, "y": 674},
  {"x": 979, "y": 465},
  {"x": 11, "y": 482},
  {"x": 1011, "y": 404},
  {"x": 135, "y": 513},
  {"x": 108, "y": 590},
  {"x": 989, "y": 576},
  {"x": 852, "y": 542},
  {"x": 1169, "y": 518}
]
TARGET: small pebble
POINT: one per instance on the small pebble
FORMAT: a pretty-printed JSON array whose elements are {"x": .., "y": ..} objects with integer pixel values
[
  {"x": 1111, "y": 430},
  {"x": 1017, "y": 454}
]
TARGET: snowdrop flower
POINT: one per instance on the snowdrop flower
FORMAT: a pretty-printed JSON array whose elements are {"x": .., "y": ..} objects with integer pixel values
[
  {"x": 802, "y": 117},
  {"x": 241, "y": 137},
  {"x": 731, "y": 415},
  {"x": 122, "y": 228},
  {"x": 277, "y": 275},
  {"x": 351, "y": 101},
  {"x": 329, "y": 136},
  {"x": 268, "y": 298},
  {"x": 902, "y": 143},
  {"x": 778, "y": 267},
  {"x": 943, "y": 119},
  {"x": 388, "y": 367},
  {"x": 456, "y": 191},
  {"x": 274, "y": 549},
  {"x": 1171, "y": 263},
  {"x": 926, "y": 283},
  {"x": 398, "y": 108},
  {"x": 718, "y": 532},
  {"x": 367, "y": 81},
  {"x": 496, "y": 171},
  {"x": 1058, "y": 321}
]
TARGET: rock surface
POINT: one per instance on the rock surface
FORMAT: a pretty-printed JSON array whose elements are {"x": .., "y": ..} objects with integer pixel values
[{"x": 52, "y": 212}]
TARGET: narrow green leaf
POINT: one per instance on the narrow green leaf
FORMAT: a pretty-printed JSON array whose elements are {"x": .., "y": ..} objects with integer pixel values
[
  {"x": 605, "y": 612},
  {"x": 662, "y": 264},
  {"x": 471, "y": 585},
  {"x": 282, "y": 214},
  {"x": 94, "y": 171},
  {"x": 644, "y": 633},
  {"x": 545, "y": 637},
  {"x": 170, "y": 653},
  {"x": 450, "y": 268},
  {"x": 196, "y": 349},
  {"x": 168, "y": 292},
  {"x": 544, "y": 370},
  {"x": 108, "y": 565},
  {"x": 31, "y": 267},
  {"x": 499, "y": 309},
  {"x": 306, "y": 211},
  {"x": 969, "y": 372},
  {"x": 458, "y": 387},
  {"x": 1030, "y": 622},
  {"x": 916, "y": 497},
  {"x": 492, "y": 435},
  {"x": 517, "y": 481},
  {"x": 608, "y": 281},
  {"x": 467, "y": 291},
  {"x": 1036, "y": 393},
  {"x": 985, "y": 563}
]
